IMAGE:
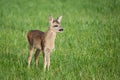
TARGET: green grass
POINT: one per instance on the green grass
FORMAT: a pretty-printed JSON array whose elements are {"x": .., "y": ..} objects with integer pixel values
[{"x": 88, "y": 49}]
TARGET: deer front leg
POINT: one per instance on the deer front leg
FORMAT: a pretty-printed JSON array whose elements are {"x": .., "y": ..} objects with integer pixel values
[
  {"x": 46, "y": 56},
  {"x": 36, "y": 56},
  {"x": 48, "y": 60},
  {"x": 45, "y": 62},
  {"x": 30, "y": 56}
]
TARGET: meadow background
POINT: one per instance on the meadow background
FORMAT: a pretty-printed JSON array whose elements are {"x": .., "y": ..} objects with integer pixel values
[{"x": 88, "y": 49}]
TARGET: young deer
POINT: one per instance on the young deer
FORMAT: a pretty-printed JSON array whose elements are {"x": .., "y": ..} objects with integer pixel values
[{"x": 43, "y": 41}]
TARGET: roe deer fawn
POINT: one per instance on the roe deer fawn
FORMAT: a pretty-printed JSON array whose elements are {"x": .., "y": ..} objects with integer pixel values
[{"x": 43, "y": 41}]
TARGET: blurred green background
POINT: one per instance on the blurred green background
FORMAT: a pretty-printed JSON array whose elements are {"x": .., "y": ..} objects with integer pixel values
[{"x": 88, "y": 49}]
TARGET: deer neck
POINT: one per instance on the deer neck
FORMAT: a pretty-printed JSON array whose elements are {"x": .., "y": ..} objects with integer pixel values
[{"x": 50, "y": 39}]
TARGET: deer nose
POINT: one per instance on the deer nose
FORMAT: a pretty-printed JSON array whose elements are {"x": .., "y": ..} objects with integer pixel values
[{"x": 60, "y": 29}]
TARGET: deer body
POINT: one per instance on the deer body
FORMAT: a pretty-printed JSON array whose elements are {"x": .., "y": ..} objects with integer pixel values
[{"x": 43, "y": 41}]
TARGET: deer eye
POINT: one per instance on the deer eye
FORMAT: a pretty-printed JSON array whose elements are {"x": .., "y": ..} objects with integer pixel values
[{"x": 55, "y": 25}]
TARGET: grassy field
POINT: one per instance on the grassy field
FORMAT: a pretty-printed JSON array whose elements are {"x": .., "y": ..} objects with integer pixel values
[{"x": 88, "y": 49}]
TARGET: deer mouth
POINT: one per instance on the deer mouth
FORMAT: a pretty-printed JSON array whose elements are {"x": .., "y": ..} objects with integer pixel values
[{"x": 60, "y": 30}]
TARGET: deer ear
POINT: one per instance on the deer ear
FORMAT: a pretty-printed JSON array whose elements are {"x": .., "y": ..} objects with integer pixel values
[
  {"x": 50, "y": 19},
  {"x": 59, "y": 19}
]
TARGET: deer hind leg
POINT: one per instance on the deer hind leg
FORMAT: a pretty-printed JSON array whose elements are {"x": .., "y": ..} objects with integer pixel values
[
  {"x": 30, "y": 56},
  {"x": 36, "y": 56}
]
